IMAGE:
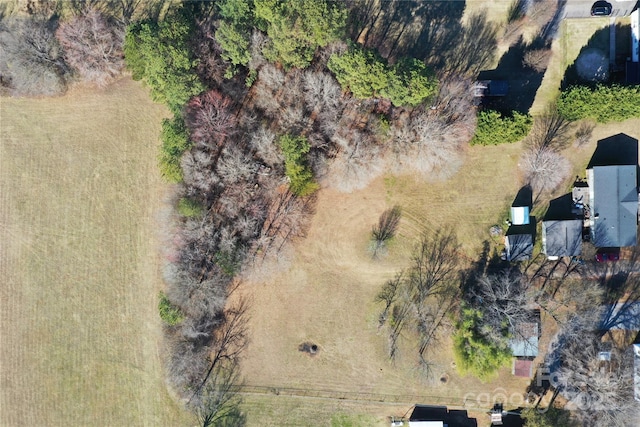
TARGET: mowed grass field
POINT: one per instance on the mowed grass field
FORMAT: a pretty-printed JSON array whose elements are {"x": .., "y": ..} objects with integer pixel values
[{"x": 80, "y": 206}]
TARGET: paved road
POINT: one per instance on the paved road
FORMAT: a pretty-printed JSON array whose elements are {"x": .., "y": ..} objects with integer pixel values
[{"x": 582, "y": 8}]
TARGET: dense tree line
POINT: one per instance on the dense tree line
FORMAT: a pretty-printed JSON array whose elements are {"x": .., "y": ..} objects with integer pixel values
[{"x": 294, "y": 29}]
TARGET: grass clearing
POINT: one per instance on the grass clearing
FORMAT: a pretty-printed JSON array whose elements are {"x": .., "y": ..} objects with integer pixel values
[
  {"x": 327, "y": 296},
  {"x": 81, "y": 196}
]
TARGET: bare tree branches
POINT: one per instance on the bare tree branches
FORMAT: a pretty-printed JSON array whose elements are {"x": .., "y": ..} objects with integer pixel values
[
  {"x": 358, "y": 162},
  {"x": 93, "y": 46},
  {"x": 210, "y": 119},
  {"x": 596, "y": 378},
  {"x": 385, "y": 230},
  {"x": 504, "y": 300},
  {"x": 544, "y": 169},
  {"x": 31, "y": 61}
]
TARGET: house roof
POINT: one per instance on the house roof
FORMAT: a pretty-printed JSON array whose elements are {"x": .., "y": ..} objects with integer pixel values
[
  {"x": 422, "y": 415},
  {"x": 518, "y": 242},
  {"x": 525, "y": 340},
  {"x": 615, "y": 205},
  {"x": 562, "y": 238}
]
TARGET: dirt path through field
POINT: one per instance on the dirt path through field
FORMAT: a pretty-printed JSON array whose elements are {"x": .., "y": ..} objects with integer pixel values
[{"x": 80, "y": 196}]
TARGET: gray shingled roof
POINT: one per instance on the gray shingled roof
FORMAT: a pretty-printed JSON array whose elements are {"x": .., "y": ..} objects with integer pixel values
[
  {"x": 616, "y": 205},
  {"x": 519, "y": 247},
  {"x": 562, "y": 238}
]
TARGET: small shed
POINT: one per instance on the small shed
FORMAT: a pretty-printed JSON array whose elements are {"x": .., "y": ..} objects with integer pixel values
[
  {"x": 525, "y": 339},
  {"x": 518, "y": 242},
  {"x": 520, "y": 215}
]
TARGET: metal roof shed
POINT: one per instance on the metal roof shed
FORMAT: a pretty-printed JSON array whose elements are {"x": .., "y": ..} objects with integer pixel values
[{"x": 520, "y": 215}]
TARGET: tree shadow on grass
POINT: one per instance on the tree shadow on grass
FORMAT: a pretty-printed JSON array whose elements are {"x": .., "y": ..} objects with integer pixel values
[
  {"x": 428, "y": 30},
  {"x": 523, "y": 81},
  {"x": 600, "y": 41}
]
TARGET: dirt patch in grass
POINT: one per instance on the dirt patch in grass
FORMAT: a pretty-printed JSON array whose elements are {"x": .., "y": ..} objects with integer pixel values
[{"x": 79, "y": 208}]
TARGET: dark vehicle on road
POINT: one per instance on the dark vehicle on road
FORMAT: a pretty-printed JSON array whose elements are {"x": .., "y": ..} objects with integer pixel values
[
  {"x": 601, "y": 8},
  {"x": 608, "y": 255}
]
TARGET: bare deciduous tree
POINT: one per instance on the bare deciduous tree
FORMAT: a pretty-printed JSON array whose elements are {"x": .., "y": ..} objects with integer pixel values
[
  {"x": 537, "y": 59},
  {"x": 93, "y": 46},
  {"x": 504, "y": 300},
  {"x": 199, "y": 174},
  {"x": 210, "y": 119},
  {"x": 359, "y": 161},
  {"x": 263, "y": 142},
  {"x": 544, "y": 169},
  {"x": 31, "y": 59},
  {"x": 236, "y": 165},
  {"x": 598, "y": 386},
  {"x": 322, "y": 91},
  {"x": 428, "y": 146},
  {"x": 385, "y": 229}
]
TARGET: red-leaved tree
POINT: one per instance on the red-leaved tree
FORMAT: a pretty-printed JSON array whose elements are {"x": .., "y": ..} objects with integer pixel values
[{"x": 210, "y": 119}]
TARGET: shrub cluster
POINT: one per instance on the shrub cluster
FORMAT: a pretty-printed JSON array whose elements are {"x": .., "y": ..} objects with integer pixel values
[
  {"x": 407, "y": 83},
  {"x": 175, "y": 142},
  {"x": 494, "y": 128},
  {"x": 170, "y": 314},
  {"x": 611, "y": 103},
  {"x": 296, "y": 165},
  {"x": 474, "y": 351}
]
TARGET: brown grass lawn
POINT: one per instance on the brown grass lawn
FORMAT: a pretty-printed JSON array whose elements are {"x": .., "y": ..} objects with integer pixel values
[
  {"x": 80, "y": 196},
  {"x": 327, "y": 296}
]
